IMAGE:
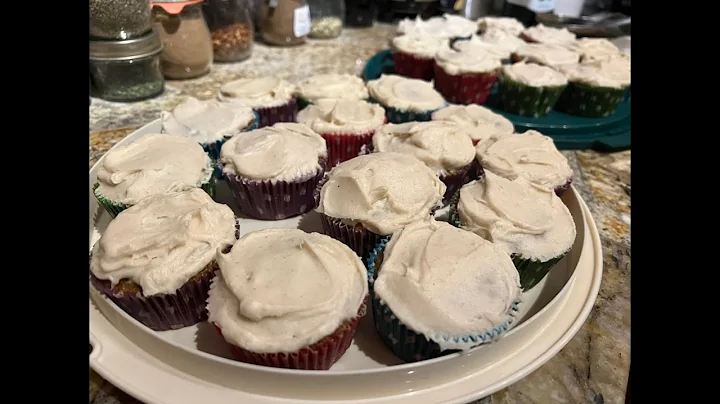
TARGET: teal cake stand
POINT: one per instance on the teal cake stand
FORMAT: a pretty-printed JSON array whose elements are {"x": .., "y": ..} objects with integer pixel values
[{"x": 569, "y": 132}]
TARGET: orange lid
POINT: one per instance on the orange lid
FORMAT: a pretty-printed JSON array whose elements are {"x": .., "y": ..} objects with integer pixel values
[{"x": 174, "y": 7}]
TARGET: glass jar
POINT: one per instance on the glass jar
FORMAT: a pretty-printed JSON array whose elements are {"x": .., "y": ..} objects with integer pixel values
[
  {"x": 360, "y": 13},
  {"x": 284, "y": 22},
  {"x": 119, "y": 19},
  {"x": 127, "y": 70},
  {"x": 231, "y": 29},
  {"x": 187, "y": 47},
  {"x": 327, "y": 18}
]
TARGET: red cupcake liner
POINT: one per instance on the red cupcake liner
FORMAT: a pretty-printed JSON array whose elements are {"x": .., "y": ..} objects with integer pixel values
[
  {"x": 464, "y": 89},
  {"x": 414, "y": 67},
  {"x": 318, "y": 356},
  {"x": 283, "y": 113},
  {"x": 342, "y": 147}
]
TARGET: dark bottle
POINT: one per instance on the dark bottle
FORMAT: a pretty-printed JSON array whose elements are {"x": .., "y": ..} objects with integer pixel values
[
  {"x": 526, "y": 10},
  {"x": 360, "y": 13}
]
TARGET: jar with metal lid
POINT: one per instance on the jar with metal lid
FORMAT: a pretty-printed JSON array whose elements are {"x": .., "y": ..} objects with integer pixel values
[
  {"x": 127, "y": 70},
  {"x": 327, "y": 18},
  {"x": 231, "y": 29},
  {"x": 119, "y": 19},
  {"x": 187, "y": 47},
  {"x": 284, "y": 22}
]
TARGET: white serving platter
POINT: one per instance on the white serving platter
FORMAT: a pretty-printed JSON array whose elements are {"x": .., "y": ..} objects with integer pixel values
[{"x": 191, "y": 365}]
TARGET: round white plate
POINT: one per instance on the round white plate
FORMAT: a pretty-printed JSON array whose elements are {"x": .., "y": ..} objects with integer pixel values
[{"x": 191, "y": 365}]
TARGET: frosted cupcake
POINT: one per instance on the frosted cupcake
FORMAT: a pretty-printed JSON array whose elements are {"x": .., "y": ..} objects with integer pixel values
[
  {"x": 345, "y": 125},
  {"x": 478, "y": 45},
  {"x": 413, "y": 55},
  {"x": 364, "y": 200},
  {"x": 152, "y": 165},
  {"x": 527, "y": 221},
  {"x": 273, "y": 171},
  {"x": 271, "y": 97},
  {"x": 405, "y": 99},
  {"x": 548, "y": 55},
  {"x": 288, "y": 299},
  {"x": 548, "y": 35},
  {"x": 596, "y": 89},
  {"x": 155, "y": 260},
  {"x": 529, "y": 155},
  {"x": 465, "y": 77},
  {"x": 505, "y": 24},
  {"x": 445, "y": 147},
  {"x": 437, "y": 289},
  {"x": 594, "y": 49},
  {"x": 445, "y": 26},
  {"x": 484, "y": 122},
  {"x": 330, "y": 86},
  {"x": 529, "y": 89},
  {"x": 503, "y": 39}
]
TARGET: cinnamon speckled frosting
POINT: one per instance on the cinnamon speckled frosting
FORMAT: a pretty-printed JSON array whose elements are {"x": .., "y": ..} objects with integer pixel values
[
  {"x": 206, "y": 121},
  {"x": 483, "y": 121},
  {"x": 549, "y": 35},
  {"x": 506, "y": 24},
  {"x": 342, "y": 116},
  {"x": 405, "y": 94},
  {"x": 332, "y": 86},
  {"x": 423, "y": 46},
  {"x": 445, "y": 26},
  {"x": 547, "y": 54},
  {"x": 534, "y": 75},
  {"x": 261, "y": 92},
  {"x": 470, "y": 57}
]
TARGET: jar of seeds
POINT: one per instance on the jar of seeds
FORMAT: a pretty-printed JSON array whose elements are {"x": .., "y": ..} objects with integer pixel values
[
  {"x": 327, "y": 18},
  {"x": 119, "y": 19},
  {"x": 231, "y": 29}
]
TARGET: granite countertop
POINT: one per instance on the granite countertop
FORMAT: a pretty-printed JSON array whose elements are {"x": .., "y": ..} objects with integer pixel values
[{"x": 592, "y": 368}]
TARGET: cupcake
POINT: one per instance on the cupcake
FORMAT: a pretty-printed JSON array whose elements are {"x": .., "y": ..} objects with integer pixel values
[
  {"x": 413, "y": 55},
  {"x": 548, "y": 55},
  {"x": 288, "y": 299},
  {"x": 529, "y": 89},
  {"x": 548, "y": 35},
  {"x": 405, "y": 99},
  {"x": 271, "y": 97},
  {"x": 330, "y": 86},
  {"x": 508, "y": 25},
  {"x": 346, "y": 125},
  {"x": 595, "y": 89},
  {"x": 438, "y": 289},
  {"x": 273, "y": 171},
  {"x": 156, "y": 259},
  {"x": 484, "y": 122},
  {"x": 467, "y": 76},
  {"x": 445, "y": 147},
  {"x": 527, "y": 221},
  {"x": 478, "y": 45},
  {"x": 446, "y": 26},
  {"x": 364, "y": 200},
  {"x": 154, "y": 164},
  {"x": 503, "y": 39},
  {"x": 530, "y": 155},
  {"x": 594, "y": 49}
]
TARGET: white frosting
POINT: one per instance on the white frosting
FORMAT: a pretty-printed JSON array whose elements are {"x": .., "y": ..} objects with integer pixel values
[
  {"x": 333, "y": 86},
  {"x": 594, "y": 49},
  {"x": 262, "y": 92},
  {"x": 530, "y": 155},
  {"x": 549, "y": 55},
  {"x": 446, "y": 283},
  {"x": 506, "y": 24},
  {"x": 446, "y": 26},
  {"x": 153, "y": 164},
  {"x": 420, "y": 46},
  {"x": 471, "y": 58},
  {"x": 484, "y": 122},
  {"x": 381, "y": 191},
  {"x": 404, "y": 93},
  {"x": 281, "y": 290},
  {"x": 163, "y": 241},
  {"x": 597, "y": 74},
  {"x": 534, "y": 75},
  {"x": 445, "y": 147},
  {"x": 549, "y": 35},
  {"x": 282, "y": 152},
  {"x": 342, "y": 117},
  {"x": 502, "y": 39},
  {"x": 206, "y": 121},
  {"x": 518, "y": 216}
]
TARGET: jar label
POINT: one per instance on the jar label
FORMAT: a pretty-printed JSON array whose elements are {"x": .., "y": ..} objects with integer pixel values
[{"x": 301, "y": 22}]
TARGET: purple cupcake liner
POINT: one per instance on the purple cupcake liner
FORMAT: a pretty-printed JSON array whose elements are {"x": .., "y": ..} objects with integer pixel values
[
  {"x": 562, "y": 188},
  {"x": 283, "y": 113},
  {"x": 358, "y": 238},
  {"x": 453, "y": 182}
]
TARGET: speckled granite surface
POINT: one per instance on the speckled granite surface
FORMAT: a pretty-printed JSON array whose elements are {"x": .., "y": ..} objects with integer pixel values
[{"x": 592, "y": 368}]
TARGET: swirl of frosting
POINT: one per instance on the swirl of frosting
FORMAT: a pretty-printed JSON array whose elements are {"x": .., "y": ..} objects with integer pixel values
[
  {"x": 502, "y": 39},
  {"x": 332, "y": 86},
  {"x": 484, "y": 122},
  {"x": 469, "y": 59},
  {"x": 381, "y": 191},
  {"x": 419, "y": 45},
  {"x": 479, "y": 47},
  {"x": 445, "y": 26},
  {"x": 281, "y": 290},
  {"x": 594, "y": 49},
  {"x": 262, "y": 92},
  {"x": 444, "y": 147},
  {"x": 508, "y": 25},
  {"x": 549, "y": 35},
  {"x": 153, "y": 164},
  {"x": 446, "y": 283},
  {"x": 520, "y": 217},
  {"x": 282, "y": 152},
  {"x": 342, "y": 116},
  {"x": 534, "y": 75},
  {"x": 599, "y": 74},
  {"x": 206, "y": 121},
  {"x": 547, "y": 54},
  {"x": 404, "y": 93},
  {"x": 530, "y": 155},
  {"x": 163, "y": 241}
]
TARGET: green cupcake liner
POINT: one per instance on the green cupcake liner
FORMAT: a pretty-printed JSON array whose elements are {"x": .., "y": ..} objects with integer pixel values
[
  {"x": 302, "y": 103},
  {"x": 521, "y": 99},
  {"x": 590, "y": 102}
]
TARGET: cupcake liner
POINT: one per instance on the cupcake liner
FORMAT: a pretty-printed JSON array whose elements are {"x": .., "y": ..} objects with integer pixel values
[
  {"x": 562, "y": 188},
  {"x": 318, "y": 356},
  {"x": 454, "y": 181},
  {"x": 520, "y": 99},
  {"x": 395, "y": 115},
  {"x": 472, "y": 88},
  {"x": 283, "y": 113},
  {"x": 342, "y": 147},
  {"x": 590, "y": 102},
  {"x": 111, "y": 207},
  {"x": 405, "y": 343},
  {"x": 411, "y": 66},
  {"x": 213, "y": 148}
]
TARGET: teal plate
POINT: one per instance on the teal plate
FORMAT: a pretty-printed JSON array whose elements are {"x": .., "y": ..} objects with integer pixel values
[{"x": 569, "y": 132}]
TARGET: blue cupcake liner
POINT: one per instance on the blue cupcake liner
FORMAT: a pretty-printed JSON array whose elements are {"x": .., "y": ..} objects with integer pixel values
[
  {"x": 395, "y": 115},
  {"x": 409, "y": 345},
  {"x": 213, "y": 148}
]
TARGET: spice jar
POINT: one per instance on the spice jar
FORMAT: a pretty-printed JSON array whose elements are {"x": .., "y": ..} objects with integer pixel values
[
  {"x": 327, "y": 18},
  {"x": 284, "y": 22},
  {"x": 119, "y": 19},
  {"x": 187, "y": 47},
  {"x": 231, "y": 29},
  {"x": 127, "y": 70}
]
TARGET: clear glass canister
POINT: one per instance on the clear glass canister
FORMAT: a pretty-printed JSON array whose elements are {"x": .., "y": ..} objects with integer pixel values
[
  {"x": 119, "y": 19},
  {"x": 231, "y": 28},
  {"x": 327, "y": 18},
  {"x": 284, "y": 22},
  {"x": 187, "y": 47},
  {"x": 127, "y": 70}
]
